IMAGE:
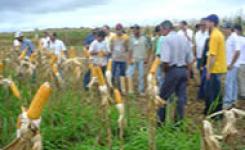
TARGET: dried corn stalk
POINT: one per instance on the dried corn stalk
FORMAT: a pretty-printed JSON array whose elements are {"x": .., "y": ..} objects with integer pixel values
[{"x": 209, "y": 139}]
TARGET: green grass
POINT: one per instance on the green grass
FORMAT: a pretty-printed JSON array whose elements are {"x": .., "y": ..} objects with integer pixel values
[{"x": 70, "y": 121}]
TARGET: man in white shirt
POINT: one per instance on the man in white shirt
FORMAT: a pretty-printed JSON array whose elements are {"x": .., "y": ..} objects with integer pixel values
[
  {"x": 241, "y": 70},
  {"x": 232, "y": 56},
  {"x": 99, "y": 51},
  {"x": 200, "y": 39},
  {"x": 57, "y": 47},
  {"x": 186, "y": 32},
  {"x": 16, "y": 43},
  {"x": 44, "y": 42}
]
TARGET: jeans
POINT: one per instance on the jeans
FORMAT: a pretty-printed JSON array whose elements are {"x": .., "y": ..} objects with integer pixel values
[
  {"x": 118, "y": 70},
  {"x": 201, "y": 92},
  {"x": 140, "y": 67},
  {"x": 231, "y": 87},
  {"x": 87, "y": 76},
  {"x": 213, "y": 96},
  {"x": 175, "y": 81}
]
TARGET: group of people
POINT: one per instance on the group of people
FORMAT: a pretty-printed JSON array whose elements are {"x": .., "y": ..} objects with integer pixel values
[
  {"x": 210, "y": 52},
  {"x": 49, "y": 42}
]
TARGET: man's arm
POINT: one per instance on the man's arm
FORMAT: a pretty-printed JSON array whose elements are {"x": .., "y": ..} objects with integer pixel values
[{"x": 234, "y": 59}]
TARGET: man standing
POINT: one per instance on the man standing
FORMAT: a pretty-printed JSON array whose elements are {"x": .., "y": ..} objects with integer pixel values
[
  {"x": 200, "y": 39},
  {"x": 109, "y": 35},
  {"x": 138, "y": 46},
  {"x": 216, "y": 66},
  {"x": 232, "y": 56},
  {"x": 241, "y": 70},
  {"x": 186, "y": 32},
  {"x": 176, "y": 55},
  {"x": 26, "y": 45},
  {"x": 119, "y": 49},
  {"x": 44, "y": 42},
  {"x": 57, "y": 47}
]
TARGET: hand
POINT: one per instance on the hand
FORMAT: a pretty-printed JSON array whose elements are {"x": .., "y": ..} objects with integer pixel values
[
  {"x": 230, "y": 67},
  {"x": 208, "y": 76},
  {"x": 145, "y": 61}
]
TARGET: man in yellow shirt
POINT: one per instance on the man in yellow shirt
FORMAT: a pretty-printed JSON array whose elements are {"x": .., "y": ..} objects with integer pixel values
[{"x": 216, "y": 66}]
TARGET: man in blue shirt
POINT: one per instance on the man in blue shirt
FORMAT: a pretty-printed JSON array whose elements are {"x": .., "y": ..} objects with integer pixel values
[{"x": 25, "y": 44}]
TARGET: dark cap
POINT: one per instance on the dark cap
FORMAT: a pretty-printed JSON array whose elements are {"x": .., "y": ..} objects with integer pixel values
[
  {"x": 135, "y": 27},
  {"x": 213, "y": 18},
  {"x": 227, "y": 25},
  {"x": 238, "y": 27},
  {"x": 167, "y": 24}
]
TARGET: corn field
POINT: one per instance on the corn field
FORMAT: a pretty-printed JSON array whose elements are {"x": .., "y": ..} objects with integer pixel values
[{"x": 75, "y": 119}]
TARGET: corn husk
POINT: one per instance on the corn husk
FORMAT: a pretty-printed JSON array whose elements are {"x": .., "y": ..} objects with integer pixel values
[{"x": 123, "y": 84}]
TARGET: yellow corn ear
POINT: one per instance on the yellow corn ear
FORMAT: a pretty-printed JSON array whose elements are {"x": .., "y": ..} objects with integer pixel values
[
  {"x": 101, "y": 53},
  {"x": 15, "y": 90},
  {"x": 86, "y": 53},
  {"x": 55, "y": 69},
  {"x": 155, "y": 65},
  {"x": 1, "y": 68},
  {"x": 100, "y": 76},
  {"x": 93, "y": 70},
  {"x": 117, "y": 96},
  {"x": 54, "y": 59},
  {"x": 72, "y": 52},
  {"x": 33, "y": 57},
  {"x": 109, "y": 65},
  {"x": 23, "y": 54},
  {"x": 39, "y": 100}
]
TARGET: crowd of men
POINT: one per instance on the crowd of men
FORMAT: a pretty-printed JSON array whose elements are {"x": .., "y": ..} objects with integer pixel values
[{"x": 210, "y": 52}]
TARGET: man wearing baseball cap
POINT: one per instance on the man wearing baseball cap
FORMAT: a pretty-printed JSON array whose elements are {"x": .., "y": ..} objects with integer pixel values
[
  {"x": 216, "y": 66},
  {"x": 233, "y": 48},
  {"x": 25, "y": 44}
]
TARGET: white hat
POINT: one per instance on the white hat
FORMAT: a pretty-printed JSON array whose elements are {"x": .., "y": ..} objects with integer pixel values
[{"x": 18, "y": 34}]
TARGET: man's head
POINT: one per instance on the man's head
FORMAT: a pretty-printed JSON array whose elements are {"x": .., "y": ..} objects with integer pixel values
[
  {"x": 119, "y": 29},
  {"x": 238, "y": 29},
  {"x": 157, "y": 30},
  {"x": 227, "y": 28},
  {"x": 212, "y": 21},
  {"x": 46, "y": 34},
  {"x": 202, "y": 24},
  {"x": 100, "y": 36},
  {"x": 53, "y": 36},
  {"x": 136, "y": 30},
  {"x": 19, "y": 36},
  {"x": 183, "y": 25},
  {"x": 106, "y": 29},
  {"x": 165, "y": 27}
]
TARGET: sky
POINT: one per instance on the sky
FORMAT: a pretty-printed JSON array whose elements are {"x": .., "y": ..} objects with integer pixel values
[{"x": 17, "y": 15}]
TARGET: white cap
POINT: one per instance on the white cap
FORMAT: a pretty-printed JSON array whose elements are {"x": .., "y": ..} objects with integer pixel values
[{"x": 18, "y": 34}]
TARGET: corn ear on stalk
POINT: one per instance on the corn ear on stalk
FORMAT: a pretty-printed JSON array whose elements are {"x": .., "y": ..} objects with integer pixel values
[
  {"x": 15, "y": 90},
  {"x": 123, "y": 84},
  {"x": 39, "y": 100},
  {"x": 108, "y": 73},
  {"x": 109, "y": 65},
  {"x": 86, "y": 53},
  {"x": 117, "y": 96},
  {"x": 155, "y": 65},
  {"x": 100, "y": 76},
  {"x": 22, "y": 55},
  {"x": 53, "y": 59},
  {"x": 1, "y": 67},
  {"x": 72, "y": 52}
]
